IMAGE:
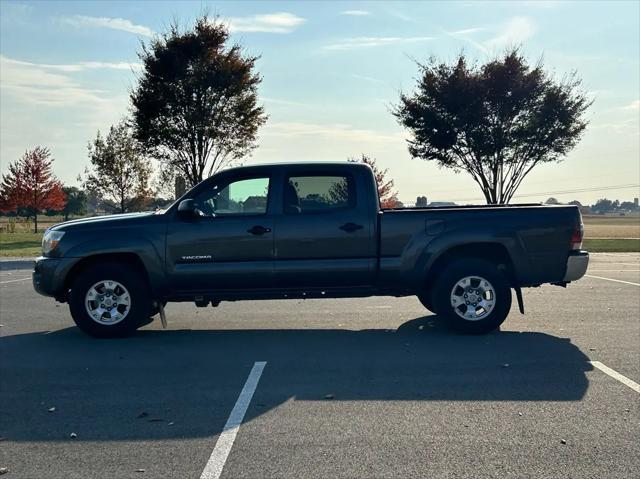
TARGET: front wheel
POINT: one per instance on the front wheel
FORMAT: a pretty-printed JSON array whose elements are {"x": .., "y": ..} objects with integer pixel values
[
  {"x": 109, "y": 300},
  {"x": 473, "y": 295}
]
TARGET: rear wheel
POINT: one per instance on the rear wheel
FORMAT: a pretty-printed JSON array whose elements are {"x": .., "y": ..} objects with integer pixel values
[
  {"x": 110, "y": 300},
  {"x": 473, "y": 295}
]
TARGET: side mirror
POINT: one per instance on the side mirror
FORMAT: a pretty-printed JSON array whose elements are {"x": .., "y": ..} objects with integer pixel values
[{"x": 187, "y": 208}]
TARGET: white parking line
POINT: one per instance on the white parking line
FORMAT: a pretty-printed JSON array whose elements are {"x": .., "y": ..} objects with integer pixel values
[
  {"x": 616, "y": 375},
  {"x": 612, "y": 262},
  {"x": 611, "y": 279},
  {"x": 14, "y": 280},
  {"x": 216, "y": 462},
  {"x": 614, "y": 270}
]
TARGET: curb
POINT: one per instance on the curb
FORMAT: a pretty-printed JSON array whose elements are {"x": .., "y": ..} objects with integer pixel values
[{"x": 16, "y": 263}]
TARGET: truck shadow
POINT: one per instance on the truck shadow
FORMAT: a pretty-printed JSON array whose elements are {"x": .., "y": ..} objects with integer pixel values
[{"x": 183, "y": 383}]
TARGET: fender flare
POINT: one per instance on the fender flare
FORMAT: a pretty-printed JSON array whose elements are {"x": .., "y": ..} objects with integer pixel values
[
  {"x": 144, "y": 249},
  {"x": 445, "y": 242}
]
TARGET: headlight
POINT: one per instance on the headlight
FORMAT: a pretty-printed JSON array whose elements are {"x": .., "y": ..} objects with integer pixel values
[{"x": 50, "y": 240}]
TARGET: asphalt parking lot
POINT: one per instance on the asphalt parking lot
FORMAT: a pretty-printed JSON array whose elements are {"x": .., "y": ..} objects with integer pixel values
[{"x": 332, "y": 388}]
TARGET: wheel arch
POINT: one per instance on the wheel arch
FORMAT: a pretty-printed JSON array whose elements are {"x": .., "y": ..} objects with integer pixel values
[
  {"x": 491, "y": 251},
  {"x": 129, "y": 259}
]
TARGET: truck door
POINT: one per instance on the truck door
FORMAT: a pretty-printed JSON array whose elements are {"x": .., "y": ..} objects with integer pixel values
[
  {"x": 230, "y": 244},
  {"x": 325, "y": 233}
]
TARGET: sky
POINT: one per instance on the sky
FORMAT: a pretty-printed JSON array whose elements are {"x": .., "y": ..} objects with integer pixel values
[{"x": 332, "y": 71}]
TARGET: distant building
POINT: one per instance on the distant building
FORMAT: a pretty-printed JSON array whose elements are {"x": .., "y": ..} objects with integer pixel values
[{"x": 635, "y": 202}]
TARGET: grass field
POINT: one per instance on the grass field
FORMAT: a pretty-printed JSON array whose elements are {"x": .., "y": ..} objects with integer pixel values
[
  {"x": 20, "y": 244},
  {"x": 602, "y": 234},
  {"x": 616, "y": 245},
  {"x": 611, "y": 227},
  {"x": 44, "y": 222}
]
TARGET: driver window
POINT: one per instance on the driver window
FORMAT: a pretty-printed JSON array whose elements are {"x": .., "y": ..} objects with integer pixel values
[{"x": 241, "y": 197}]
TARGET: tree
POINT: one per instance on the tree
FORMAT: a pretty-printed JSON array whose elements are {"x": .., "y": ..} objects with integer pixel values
[
  {"x": 30, "y": 185},
  {"x": 119, "y": 172},
  {"x": 552, "y": 201},
  {"x": 628, "y": 206},
  {"x": 603, "y": 206},
  {"x": 76, "y": 202},
  {"x": 496, "y": 121},
  {"x": 196, "y": 104},
  {"x": 388, "y": 197}
]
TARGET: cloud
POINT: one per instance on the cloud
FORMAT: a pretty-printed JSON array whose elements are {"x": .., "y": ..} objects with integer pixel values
[
  {"x": 467, "y": 31},
  {"x": 366, "y": 78},
  {"x": 542, "y": 4},
  {"x": 369, "y": 42},
  {"x": 401, "y": 16},
  {"x": 515, "y": 31},
  {"x": 282, "y": 22},
  {"x": 629, "y": 126},
  {"x": 634, "y": 105},
  {"x": 107, "y": 22},
  {"x": 332, "y": 132},
  {"x": 355, "y": 13},
  {"x": 15, "y": 9},
  {"x": 80, "y": 66},
  {"x": 280, "y": 101},
  {"x": 38, "y": 84}
]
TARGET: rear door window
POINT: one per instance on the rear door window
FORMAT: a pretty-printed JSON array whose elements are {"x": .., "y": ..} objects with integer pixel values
[{"x": 318, "y": 193}]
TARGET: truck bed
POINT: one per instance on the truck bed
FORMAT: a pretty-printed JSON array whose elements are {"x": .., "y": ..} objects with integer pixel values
[{"x": 536, "y": 237}]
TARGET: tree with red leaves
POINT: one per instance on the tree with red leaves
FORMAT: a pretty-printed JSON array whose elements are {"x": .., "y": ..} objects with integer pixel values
[
  {"x": 388, "y": 197},
  {"x": 31, "y": 186}
]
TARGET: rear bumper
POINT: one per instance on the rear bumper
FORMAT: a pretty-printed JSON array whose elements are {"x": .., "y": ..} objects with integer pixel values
[{"x": 577, "y": 264}]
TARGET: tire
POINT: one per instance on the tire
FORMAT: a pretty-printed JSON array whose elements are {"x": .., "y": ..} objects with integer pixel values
[
  {"x": 483, "y": 312},
  {"x": 124, "y": 293},
  {"x": 426, "y": 298}
]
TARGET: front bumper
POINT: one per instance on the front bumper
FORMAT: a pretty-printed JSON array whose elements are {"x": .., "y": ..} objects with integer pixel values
[
  {"x": 49, "y": 275},
  {"x": 577, "y": 264}
]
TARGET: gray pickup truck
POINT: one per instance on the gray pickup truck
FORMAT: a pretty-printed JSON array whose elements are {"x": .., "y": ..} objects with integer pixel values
[{"x": 305, "y": 230}]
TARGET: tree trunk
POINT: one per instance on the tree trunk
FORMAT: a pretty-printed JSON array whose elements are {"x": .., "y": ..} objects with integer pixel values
[{"x": 35, "y": 222}]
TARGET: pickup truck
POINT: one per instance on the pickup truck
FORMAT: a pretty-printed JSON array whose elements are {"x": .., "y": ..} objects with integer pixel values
[{"x": 305, "y": 230}]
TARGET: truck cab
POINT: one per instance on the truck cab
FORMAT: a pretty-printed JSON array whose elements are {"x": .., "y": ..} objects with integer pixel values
[{"x": 275, "y": 228}]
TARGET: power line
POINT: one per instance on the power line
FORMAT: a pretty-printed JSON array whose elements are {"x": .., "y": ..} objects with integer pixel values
[
  {"x": 564, "y": 192},
  {"x": 538, "y": 182}
]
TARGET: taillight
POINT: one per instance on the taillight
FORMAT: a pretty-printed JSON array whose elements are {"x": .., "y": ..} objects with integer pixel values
[{"x": 576, "y": 237}]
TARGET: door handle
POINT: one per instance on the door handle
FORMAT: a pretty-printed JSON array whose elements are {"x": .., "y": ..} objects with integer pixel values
[
  {"x": 258, "y": 230},
  {"x": 351, "y": 227}
]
